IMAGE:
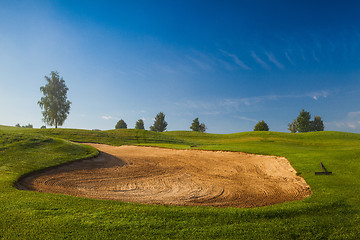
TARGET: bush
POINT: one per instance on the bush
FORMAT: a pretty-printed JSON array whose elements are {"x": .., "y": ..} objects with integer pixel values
[
  {"x": 261, "y": 126},
  {"x": 121, "y": 124},
  {"x": 292, "y": 127}
]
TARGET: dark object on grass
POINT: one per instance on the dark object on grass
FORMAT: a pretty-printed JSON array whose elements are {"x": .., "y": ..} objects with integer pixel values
[{"x": 324, "y": 170}]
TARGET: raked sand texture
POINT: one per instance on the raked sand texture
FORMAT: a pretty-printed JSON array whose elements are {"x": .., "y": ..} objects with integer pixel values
[{"x": 175, "y": 177}]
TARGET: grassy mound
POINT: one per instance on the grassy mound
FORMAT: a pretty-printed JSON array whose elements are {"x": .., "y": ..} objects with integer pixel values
[{"x": 333, "y": 211}]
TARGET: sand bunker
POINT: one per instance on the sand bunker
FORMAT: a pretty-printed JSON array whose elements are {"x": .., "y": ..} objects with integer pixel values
[{"x": 175, "y": 177}]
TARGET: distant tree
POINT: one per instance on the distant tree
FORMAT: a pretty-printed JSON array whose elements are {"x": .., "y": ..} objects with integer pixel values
[
  {"x": 303, "y": 122},
  {"x": 43, "y": 127},
  {"x": 261, "y": 126},
  {"x": 120, "y": 124},
  {"x": 197, "y": 127},
  {"x": 317, "y": 124},
  {"x": 55, "y": 105},
  {"x": 139, "y": 124},
  {"x": 26, "y": 126},
  {"x": 292, "y": 127},
  {"x": 159, "y": 124}
]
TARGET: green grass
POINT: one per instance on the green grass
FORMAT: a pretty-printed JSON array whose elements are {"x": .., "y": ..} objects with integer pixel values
[{"x": 332, "y": 212}]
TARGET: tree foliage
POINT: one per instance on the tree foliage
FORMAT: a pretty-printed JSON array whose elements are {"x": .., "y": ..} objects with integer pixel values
[
  {"x": 304, "y": 124},
  {"x": 139, "y": 124},
  {"x": 317, "y": 124},
  {"x": 292, "y": 127},
  {"x": 261, "y": 126},
  {"x": 55, "y": 105},
  {"x": 197, "y": 127},
  {"x": 159, "y": 124},
  {"x": 120, "y": 124},
  {"x": 26, "y": 126}
]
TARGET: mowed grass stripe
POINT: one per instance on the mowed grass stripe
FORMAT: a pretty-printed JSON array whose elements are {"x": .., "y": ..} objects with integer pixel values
[{"x": 332, "y": 212}]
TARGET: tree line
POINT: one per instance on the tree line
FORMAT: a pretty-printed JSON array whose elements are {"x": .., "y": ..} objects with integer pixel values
[
  {"x": 302, "y": 123},
  {"x": 160, "y": 124},
  {"x": 56, "y": 108}
]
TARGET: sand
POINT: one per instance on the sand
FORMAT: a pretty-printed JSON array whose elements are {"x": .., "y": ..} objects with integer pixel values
[{"x": 152, "y": 175}]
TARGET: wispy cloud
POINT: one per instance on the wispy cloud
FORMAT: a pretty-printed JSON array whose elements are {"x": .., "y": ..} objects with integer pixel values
[
  {"x": 202, "y": 61},
  {"x": 201, "y": 64},
  {"x": 246, "y": 118},
  {"x": 260, "y": 61},
  {"x": 106, "y": 117},
  {"x": 239, "y": 103},
  {"x": 319, "y": 94},
  {"x": 351, "y": 121},
  {"x": 228, "y": 105},
  {"x": 289, "y": 58},
  {"x": 236, "y": 103},
  {"x": 272, "y": 59},
  {"x": 316, "y": 58},
  {"x": 236, "y": 60}
]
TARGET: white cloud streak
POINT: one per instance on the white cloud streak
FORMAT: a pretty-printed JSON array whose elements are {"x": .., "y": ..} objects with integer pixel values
[
  {"x": 352, "y": 121},
  {"x": 236, "y": 60},
  {"x": 317, "y": 95},
  {"x": 106, "y": 117},
  {"x": 272, "y": 59},
  {"x": 240, "y": 104},
  {"x": 260, "y": 61},
  {"x": 246, "y": 118},
  {"x": 289, "y": 59}
]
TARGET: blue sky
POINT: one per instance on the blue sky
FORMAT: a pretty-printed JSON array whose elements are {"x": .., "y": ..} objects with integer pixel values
[{"x": 230, "y": 63}]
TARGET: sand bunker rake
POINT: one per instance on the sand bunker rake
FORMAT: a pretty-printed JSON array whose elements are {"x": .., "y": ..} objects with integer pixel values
[{"x": 324, "y": 171}]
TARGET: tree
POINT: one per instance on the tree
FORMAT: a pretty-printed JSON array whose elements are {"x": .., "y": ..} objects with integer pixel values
[
  {"x": 55, "y": 105},
  {"x": 121, "y": 124},
  {"x": 26, "y": 126},
  {"x": 159, "y": 124},
  {"x": 261, "y": 126},
  {"x": 292, "y": 127},
  {"x": 303, "y": 122},
  {"x": 139, "y": 124},
  {"x": 317, "y": 124},
  {"x": 197, "y": 127}
]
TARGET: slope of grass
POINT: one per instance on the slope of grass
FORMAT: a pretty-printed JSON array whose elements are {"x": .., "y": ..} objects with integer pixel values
[{"x": 332, "y": 212}]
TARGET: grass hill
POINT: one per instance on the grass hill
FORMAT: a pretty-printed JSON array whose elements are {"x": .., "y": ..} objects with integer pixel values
[{"x": 332, "y": 212}]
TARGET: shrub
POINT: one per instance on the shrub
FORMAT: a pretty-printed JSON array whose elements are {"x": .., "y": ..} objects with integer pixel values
[
  {"x": 121, "y": 124},
  {"x": 292, "y": 127},
  {"x": 261, "y": 126}
]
